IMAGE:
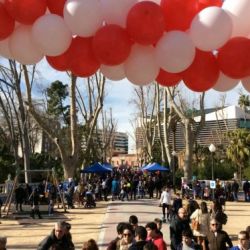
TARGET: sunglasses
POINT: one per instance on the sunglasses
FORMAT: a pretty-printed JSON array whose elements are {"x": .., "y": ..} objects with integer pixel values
[{"x": 127, "y": 235}]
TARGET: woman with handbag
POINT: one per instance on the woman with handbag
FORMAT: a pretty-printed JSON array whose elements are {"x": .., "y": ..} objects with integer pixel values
[{"x": 200, "y": 220}]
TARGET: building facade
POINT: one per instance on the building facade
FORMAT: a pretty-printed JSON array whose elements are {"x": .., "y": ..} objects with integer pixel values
[{"x": 217, "y": 123}]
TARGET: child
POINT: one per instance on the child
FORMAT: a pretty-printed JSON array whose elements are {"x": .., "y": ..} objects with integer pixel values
[{"x": 187, "y": 241}]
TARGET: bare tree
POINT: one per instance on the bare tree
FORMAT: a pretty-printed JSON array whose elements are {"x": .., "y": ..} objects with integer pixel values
[
  {"x": 108, "y": 135},
  {"x": 12, "y": 77},
  {"x": 191, "y": 128},
  {"x": 145, "y": 103},
  {"x": 70, "y": 152}
]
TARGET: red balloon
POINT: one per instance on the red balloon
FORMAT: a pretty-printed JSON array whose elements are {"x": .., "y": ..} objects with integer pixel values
[
  {"x": 165, "y": 78},
  {"x": 202, "y": 4},
  {"x": 203, "y": 72},
  {"x": 26, "y": 11},
  {"x": 7, "y": 23},
  {"x": 60, "y": 62},
  {"x": 111, "y": 45},
  {"x": 82, "y": 61},
  {"x": 234, "y": 58},
  {"x": 145, "y": 22},
  {"x": 56, "y": 6},
  {"x": 179, "y": 13}
]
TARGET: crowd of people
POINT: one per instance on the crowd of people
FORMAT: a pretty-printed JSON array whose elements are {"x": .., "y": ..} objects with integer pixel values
[
  {"x": 192, "y": 224},
  {"x": 131, "y": 235},
  {"x": 125, "y": 184}
]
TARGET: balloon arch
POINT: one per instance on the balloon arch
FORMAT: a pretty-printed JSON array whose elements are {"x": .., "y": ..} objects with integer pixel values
[{"x": 205, "y": 43}]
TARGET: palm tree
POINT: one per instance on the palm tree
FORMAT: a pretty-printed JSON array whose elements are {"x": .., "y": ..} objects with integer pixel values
[
  {"x": 238, "y": 150},
  {"x": 244, "y": 103}
]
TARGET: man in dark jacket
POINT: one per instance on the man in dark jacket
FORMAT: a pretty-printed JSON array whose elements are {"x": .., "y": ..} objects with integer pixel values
[
  {"x": 119, "y": 228},
  {"x": 1, "y": 203},
  {"x": 140, "y": 238},
  {"x": 177, "y": 204},
  {"x": 57, "y": 239},
  {"x": 246, "y": 189},
  {"x": 217, "y": 238},
  {"x": 19, "y": 197},
  {"x": 179, "y": 224},
  {"x": 235, "y": 190}
]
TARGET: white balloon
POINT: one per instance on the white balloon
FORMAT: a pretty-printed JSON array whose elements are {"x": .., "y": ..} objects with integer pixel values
[
  {"x": 225, "y": 83},
  {"x": 4, "y": 49},
  {"x": 114, "y": 73},
  {"x": 51, "y": 35},
  {"x": 239, "y": 12},
  {"x": 116, "y": 11},
  {"x": 83, "y": 17},
  {"x": 22, "y": 46},
  {"x": 211, "y": 28},
  {"x": 141, "y": 67},
  {"x": 246, "y": 83},
  {"x": 175, "y": 51}
]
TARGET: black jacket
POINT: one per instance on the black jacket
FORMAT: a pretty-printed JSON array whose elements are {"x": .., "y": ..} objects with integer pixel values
[
  {"x": 52, "y": 243},
  {"x": 177, "y": 226},
  {"x": 138, "y": 245}
]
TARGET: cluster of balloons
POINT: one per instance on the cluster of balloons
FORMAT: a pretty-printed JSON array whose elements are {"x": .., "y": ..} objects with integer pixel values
[{"x": 205, "y": 43}]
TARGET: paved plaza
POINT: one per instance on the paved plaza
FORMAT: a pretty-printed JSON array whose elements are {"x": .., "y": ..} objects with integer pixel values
[{"x": 100, "y": 223}]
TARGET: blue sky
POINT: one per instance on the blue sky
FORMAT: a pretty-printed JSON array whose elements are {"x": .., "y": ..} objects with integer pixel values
[{"x": 119, "y": 94}]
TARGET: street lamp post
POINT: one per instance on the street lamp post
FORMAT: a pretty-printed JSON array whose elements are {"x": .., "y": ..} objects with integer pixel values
[
  {"x": 173, "y": 169},
  {"x": 212, "y": 149}
]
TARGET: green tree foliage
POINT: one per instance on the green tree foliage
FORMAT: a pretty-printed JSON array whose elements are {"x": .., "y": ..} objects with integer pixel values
[
  {"x": 202, "y": 167},
  {"x": 42, "y": 162},
  {"x": 238, "y": 150},
  {"x": 57, "y": 94},
  {"x": 6, "y": 162},
  {"x": 244, "y": 101}
]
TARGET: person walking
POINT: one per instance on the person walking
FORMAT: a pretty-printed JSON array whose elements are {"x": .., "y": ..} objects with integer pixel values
[
  {"x": 243, "y": 241},
  {"x": 115, "y": 188},
  {"x": 177, "y": 204},
  {"x": 155, "y": 236},
  {"x": 127, "y": 238},
  {"x": 3, "y": 243},
  {"x": 90, "y": 245},
  {"x": 116, "y": 242},
  {"x": 246, "y": 189},
  {"x": 235, "y": 190},
  {"x": 188, "y": 242},
  {"x": 217, "y": 238},
  {"x": 165, "y": 202},
  {"x": 217, "y": 213},
  {"x": 57, "y": 239},
  {"x": 140, "y": 238},
  {"x": 34, "y": 202},
  {"x": 19, "y": 198},
  {"x": 1, "y": 204},
  {"x": 202, "y": 216},
  {"x": 179, "y": 224}
]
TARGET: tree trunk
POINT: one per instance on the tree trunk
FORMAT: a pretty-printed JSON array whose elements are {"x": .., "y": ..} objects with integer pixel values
[
  {"x": 188, "y": 150},
  {"x": 69, "y": 166},
  {"x": 24, "y": 135}
]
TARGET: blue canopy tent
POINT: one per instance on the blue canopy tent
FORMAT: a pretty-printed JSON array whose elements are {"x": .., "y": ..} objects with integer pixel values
[
  {"x": 152, "y": 167},
  {"x": 144, "y": 166},
  {"x": 96, "y": 168},
  {"x": 107, "y": 165}
]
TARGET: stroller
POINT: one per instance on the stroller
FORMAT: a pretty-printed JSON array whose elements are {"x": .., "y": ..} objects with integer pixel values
[{"x": 89, "y": 201}]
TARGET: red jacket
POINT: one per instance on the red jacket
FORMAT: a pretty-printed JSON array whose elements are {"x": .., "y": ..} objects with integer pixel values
[{"x": 160, "y": 243}]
